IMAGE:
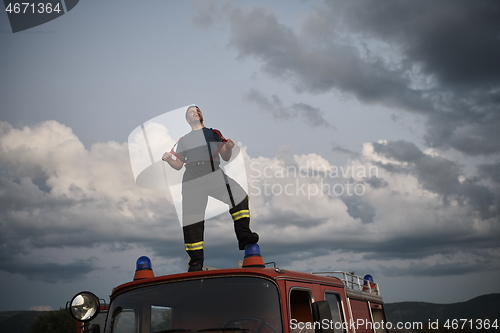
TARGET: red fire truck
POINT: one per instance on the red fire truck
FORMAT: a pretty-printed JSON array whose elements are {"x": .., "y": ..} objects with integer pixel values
[{"x": 250, "y": 299}]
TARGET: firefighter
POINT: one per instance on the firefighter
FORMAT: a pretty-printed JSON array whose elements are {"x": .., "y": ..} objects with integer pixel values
[{"x": 199, "y": 152}]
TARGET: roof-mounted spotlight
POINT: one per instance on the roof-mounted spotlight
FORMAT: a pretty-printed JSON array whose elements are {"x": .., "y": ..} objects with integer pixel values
[{"x": 84, "y": 306}]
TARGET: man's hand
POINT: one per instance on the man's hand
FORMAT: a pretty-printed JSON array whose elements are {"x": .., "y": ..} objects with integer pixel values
[
  {"x": 229, "y": 144},
  {"x": 227, "y": 150},
  {"x": 176, "y": 164},
  {"x": 167, "y": 156}
]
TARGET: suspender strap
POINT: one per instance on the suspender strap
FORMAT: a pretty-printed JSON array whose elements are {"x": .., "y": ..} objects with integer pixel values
[
  {"x": 223, "y": 140},
  {"x": 211, "y": 156}
]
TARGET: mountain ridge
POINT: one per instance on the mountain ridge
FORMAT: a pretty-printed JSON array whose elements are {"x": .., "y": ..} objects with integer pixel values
[{"x": 480, "y": 307}]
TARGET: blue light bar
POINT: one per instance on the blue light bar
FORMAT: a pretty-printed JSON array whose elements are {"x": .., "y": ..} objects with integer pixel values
[
  {"x": 368, "y": 277},
  {"x": 143, "y": 263},
  {"x": 252, "y": 250}
]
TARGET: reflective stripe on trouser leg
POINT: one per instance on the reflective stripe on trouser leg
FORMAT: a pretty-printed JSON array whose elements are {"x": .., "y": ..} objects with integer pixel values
[
  {"x": 241, "y": 217},
  {"x": 193, "y": 242},
  {"x": 194, "y": 246},
  {"x": 240, "y": 214},
  {"x": 240, "y": 210}
]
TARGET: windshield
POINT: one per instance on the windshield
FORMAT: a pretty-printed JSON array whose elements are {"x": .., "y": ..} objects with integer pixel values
[{"x": 222, "y": 304}]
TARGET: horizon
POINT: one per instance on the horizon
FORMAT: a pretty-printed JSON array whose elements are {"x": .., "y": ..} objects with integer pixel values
[{"x": 63, "y": 307}]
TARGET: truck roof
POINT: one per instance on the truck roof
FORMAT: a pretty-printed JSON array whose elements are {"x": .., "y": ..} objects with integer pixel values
[{"x": 270, "y": 273}]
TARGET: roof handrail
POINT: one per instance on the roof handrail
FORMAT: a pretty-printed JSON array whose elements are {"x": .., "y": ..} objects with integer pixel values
[{"x": 355, "y": 282}]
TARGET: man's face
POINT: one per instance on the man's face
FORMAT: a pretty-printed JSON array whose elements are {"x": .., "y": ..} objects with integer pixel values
[{"x": 194, "y": 115}]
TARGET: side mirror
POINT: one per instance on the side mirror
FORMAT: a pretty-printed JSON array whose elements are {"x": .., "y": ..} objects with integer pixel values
[
  {"x": 322, "y": 314},
  {"x": 84, "y": 306}
]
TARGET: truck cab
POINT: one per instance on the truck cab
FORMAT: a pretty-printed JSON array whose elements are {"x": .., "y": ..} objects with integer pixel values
[{"x": 251, "y": 299}]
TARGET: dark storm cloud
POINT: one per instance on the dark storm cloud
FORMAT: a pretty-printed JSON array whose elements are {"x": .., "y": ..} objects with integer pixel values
[
  {"x": 402, "y": 248},
  {"x": 436, "y": 174},
  {"x": 422, "y": 244},
  {"x": 441, "y": 60},
  {"x": 31, "y": 220},
  {"x": 481, "y": 198},
  {"x": 457, "y": 41},
  {"x": 491, "y": 171},
  {"x": 439, "y": 269},
  {"x": 28, "y": 213},
  {"x": 55, "y": 194},
  {"x": 359, "y": 209},
  {"x": 443, "y": 252},
  {"x": 318, "y": 68},
  {"x": 286, "y": 218},
  {"x": 80, "y": 209},
  {"x": 441, "y": 176},
  {"x": 274, "y": 107},
  {"x": 52, "y": 272},
  {"x": 338, "y": 149},
  {"x": 376, "y": 182},
  {"x": 419, "y": 206}
]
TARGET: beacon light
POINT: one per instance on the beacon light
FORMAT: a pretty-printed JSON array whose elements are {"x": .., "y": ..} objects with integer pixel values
[
  {"x": 253, "y": 257},
  {"x": 143, "y": 269},
  {"x": 368, "y": 283}
]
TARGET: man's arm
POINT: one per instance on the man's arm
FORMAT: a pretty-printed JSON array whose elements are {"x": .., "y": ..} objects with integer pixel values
[
  {"x": 227, "y": 150},
  {"x": 176, "y": 164}
]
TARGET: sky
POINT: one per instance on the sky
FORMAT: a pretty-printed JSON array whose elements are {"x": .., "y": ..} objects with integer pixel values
[{"x": 368, "y": 130}]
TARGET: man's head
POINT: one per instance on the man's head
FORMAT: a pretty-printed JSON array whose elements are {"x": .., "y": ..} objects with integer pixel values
[{"x": 194, "y": 115}]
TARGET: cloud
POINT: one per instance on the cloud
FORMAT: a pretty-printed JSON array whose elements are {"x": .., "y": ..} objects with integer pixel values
[
  {"x": 413, "y": 206},
  {"x": 436, "y": 174},
  {"x": 452, "y": 40},
  {"x": 357, "y": 208},
  {"x": 314, "y": 64},
  {"x": 338, "y": 149},
  {"x": 451, "y": 51},
  {"x": 440, "y": 176},
  {"x": 41, "y": 308},
  {"x": 436, "y": 60},
  {"x": 376, "y": 182},
  {"x": 390, "y": 203},
  {"x": 460, "y": 263},
  {"x": 52, "y": 272},
  {"x": 491, "y": 171},
  {"x": 54, "y": 193},
  {"x": 274, "y": 107}
]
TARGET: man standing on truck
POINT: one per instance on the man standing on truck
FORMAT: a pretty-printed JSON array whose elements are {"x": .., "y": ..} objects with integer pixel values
[{"x": 199, "y": 152}]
